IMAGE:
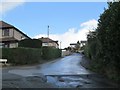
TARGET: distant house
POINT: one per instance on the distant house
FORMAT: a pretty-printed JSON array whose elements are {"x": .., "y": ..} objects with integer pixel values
[
  {"x": 73, "y": 45},
  {"x": 10, "y": 35},
  {"x": 83, "y": 43},
  {"x": 49, "y": 42}
]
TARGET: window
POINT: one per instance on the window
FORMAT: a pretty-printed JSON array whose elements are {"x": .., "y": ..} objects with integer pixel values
[
  {"x": 1, "y": 45},
  {"x": 45, "y": 44},
  {"x": 5, "y": 32},
  {"x": 6, "y": 45},
  {"x": 22, "y": 37}
]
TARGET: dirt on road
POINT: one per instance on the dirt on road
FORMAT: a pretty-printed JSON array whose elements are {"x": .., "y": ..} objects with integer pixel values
[{"x": 16, "y": 81}]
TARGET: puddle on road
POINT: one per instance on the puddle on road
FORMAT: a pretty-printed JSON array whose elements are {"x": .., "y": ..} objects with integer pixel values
[
  {"x": 77, "y": 82},
  {"x": 55, "y": 81},
  {"x": 66, "y": 81}
]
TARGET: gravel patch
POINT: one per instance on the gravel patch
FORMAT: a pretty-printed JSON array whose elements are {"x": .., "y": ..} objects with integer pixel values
[{"x": 16, "y": 81}]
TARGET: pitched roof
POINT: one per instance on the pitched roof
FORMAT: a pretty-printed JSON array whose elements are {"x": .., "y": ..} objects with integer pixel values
[
  {"x": 83, "y": 41},
  {"x": 73, "y": 43},
  {"x": 46, "y": 40},
  {"x": 5, "y": 25}
]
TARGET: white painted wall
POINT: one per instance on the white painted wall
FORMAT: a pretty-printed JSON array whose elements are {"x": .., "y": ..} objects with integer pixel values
[
  {"x": 10, "y": 32},
  {"x": 13, "y": 45},
  {"x": 50, "y": 44},
  {"x": 65, "y": 53},
  {"x": 18, "y": 35}
]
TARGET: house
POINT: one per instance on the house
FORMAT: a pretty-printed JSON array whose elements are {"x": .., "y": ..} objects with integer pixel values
[
  {"x": 10, "y": 35},
  {"x": 83, "y": 43},
  {"x": 73, "y": 46},
  {"x": 49, "y": 42}
]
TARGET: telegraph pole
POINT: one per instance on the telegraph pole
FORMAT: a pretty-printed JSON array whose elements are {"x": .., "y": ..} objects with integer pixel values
[
  {"x": 48, "y": 31},
  {"x": 48, "y": 35},
  {"x": 60, "y": 44}
]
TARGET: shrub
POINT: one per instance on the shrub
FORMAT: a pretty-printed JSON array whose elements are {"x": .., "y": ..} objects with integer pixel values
[
  {"x": 104, "y": 48},
  {"x": 30, "y": 43},
  {"x": 18, "y": 56},
  {"x": 50, "y": 53}
]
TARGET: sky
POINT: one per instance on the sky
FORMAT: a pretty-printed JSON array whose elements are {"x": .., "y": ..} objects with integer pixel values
[{"x": 69, "y": 22}]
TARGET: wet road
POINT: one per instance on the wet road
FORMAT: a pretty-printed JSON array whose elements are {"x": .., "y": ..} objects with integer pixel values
[
  {"x": 69, "y": 65},
  {"x": 66, "y": 72}
]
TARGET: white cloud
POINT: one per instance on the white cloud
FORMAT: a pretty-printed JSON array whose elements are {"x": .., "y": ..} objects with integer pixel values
[
  {"x": 7, "y": 5},
  {"x": 91, "y": 24},
  {"x": 72, "y": 35}
]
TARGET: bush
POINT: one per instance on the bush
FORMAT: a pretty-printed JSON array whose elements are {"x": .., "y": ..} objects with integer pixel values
[
  {"x": 50, "y": 53},
  {"x": 30, "y": 43},
  {"x": 19, "y": 56},
  {"x": 104, "y": 48}
]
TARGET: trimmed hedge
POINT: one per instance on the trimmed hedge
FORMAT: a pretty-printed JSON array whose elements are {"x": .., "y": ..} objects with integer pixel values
[
  {"x": 50, "y": 53},
  {"x": 22, "y": 55},
  {"x": 30, "y": 43}
]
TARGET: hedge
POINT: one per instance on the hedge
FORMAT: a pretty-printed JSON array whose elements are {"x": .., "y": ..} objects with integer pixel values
[
  {"x": 22, "y": 55},
  {"x": 50, "y": 53},
  {"x": 30, "y": 43}
]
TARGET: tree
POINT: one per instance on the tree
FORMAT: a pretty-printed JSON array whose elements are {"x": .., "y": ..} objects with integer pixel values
[{"x": 104, "y": 46}]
